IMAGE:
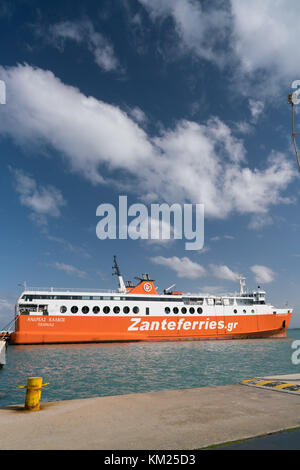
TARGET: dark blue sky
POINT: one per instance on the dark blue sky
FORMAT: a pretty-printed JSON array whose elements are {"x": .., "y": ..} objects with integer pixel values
[{"x": 180, "y": 101}]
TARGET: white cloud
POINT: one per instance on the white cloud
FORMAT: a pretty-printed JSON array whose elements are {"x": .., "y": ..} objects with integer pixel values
[
  {"x": 69, "y": 269},
  {"x": 250, "y": 37},
  {"x": 88, "y": 132},
  {"x": 256, "y": 108},
  {"x": 184, "y": 267},
  {"x": 138, "y": 115},
  {"x": 43, "y": 201},
  {"x": 152, "y": 230},
  {"x": 96, "y": 138},
  {"x": 83, "y": 32},
  {"x": 69, "y": 246},
  {"x": 262, "y": 273},
  {"x": 218, "y": 238},
  {"x": 223, "y": 272},
  {"x": 200, "y": 30},
  {"x": 259, "y": 221},
  {"x": 265, "y": 38},
  {"x": 7, "y": 308}
]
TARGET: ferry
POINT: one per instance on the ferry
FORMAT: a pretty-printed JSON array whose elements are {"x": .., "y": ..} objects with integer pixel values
[{"x": 139, "y": 313}]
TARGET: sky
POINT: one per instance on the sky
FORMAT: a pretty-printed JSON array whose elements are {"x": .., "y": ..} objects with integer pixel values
[{"x": 161, "y": 101}]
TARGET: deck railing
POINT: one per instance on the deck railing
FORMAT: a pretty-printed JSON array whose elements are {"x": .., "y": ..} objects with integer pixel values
[{"x": 67, "y": 289}]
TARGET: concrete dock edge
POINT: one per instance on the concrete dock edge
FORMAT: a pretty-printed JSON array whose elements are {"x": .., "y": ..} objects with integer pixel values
[{"x": 171, "y": 419}]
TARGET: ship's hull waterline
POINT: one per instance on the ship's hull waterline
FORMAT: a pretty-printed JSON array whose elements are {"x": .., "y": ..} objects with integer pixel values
[{"x": 48, "y": 329}]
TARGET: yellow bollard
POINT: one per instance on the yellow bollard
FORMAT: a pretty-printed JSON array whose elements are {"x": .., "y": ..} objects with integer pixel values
[{"x": 33, "y": 393}]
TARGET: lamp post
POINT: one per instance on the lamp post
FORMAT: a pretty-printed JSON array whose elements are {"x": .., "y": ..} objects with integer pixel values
[{"x": 293, "y": 99}]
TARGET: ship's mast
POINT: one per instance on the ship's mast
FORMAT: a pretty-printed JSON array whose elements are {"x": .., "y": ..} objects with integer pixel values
[{"x": 117, "y": 272}]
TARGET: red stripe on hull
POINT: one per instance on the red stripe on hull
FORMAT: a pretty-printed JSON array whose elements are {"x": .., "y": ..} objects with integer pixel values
[{"x": 33, "y": 329}]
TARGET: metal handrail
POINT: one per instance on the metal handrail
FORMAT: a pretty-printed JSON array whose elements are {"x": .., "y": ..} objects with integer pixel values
[{"x": 66, "y": 289}]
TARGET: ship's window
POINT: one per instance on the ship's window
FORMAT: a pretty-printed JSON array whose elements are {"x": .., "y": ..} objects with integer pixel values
[
  {"x": 42, "y": 308},
  {"x": 235, "y": 311},
  {"x": 32, "y": 308},
  {"x": 192, "y": 310},
  {"x": 135, "y": 310},
  {"x": 116, "y": 309},
  {"x": 96, "y": 309},
  {"x": 86, "y": 297},
  {"x": 244, "y": 301},
  {"x": 252, "y": 311},
  {"x": 106, "y": 309},
  {"x": 126, "y": 309},
  {"x": 116, "y": 298},
  {"x": 63, "y": 309},
  {"x": 199, "y": 310},
  {"x": 74, "y": 309},
  {"x": 96, "y": 297},
  {"x": 85, "y": 309},
  {"x": 175, "y": 310},
  {"x": 244, "y": 311},
  {"x": 183, "y": 310},
  {"x": 167, "y": 310},
  {"x": 107, "y": 298}
]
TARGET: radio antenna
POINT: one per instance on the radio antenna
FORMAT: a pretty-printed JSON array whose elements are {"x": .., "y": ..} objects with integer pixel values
[
  {"x": 117, "y": 272},
  {"x": 293, "y": 99}
]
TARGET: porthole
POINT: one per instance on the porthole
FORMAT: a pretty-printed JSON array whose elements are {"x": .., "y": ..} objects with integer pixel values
[
  {"x": 106, "y": 309},
  {"x": 85, "y": 309},
  {"x": 183, "y": 310},
  {"x": 167, "y": 310},
  {"x": 74, "y": 309},
  {"x": 252, "y": 311},
  {"x": 199, "y": 310},
  {"x": 244, "y": 311},
  {"x": 192, "y": 310},
  {"x": 116, "y": 309},
  {"x": 63, "y": 309},
  {"x": 175, "y": 310},
  {"x": 96, "y": 309},
  {"x": 126, "y": 309},
  {"x": 234, "y": 311},
  {"x": 135, "y": 310}
]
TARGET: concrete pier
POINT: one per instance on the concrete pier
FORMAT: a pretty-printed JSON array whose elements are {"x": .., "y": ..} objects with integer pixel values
[{"x": 177, "y": 419}]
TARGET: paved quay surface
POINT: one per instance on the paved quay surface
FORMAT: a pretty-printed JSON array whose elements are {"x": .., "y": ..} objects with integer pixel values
[{"x": 173, "y": 419}]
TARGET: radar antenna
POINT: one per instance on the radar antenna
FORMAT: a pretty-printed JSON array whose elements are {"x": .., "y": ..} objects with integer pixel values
[{"x": 293, "y": 99}]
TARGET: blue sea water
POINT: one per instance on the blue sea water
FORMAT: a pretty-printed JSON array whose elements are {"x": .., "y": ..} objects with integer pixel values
[{"x": 89, "y": 370}]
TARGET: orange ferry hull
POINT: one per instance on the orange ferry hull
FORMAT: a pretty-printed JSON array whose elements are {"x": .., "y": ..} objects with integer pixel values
[{"x": 35, "y": 329}]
